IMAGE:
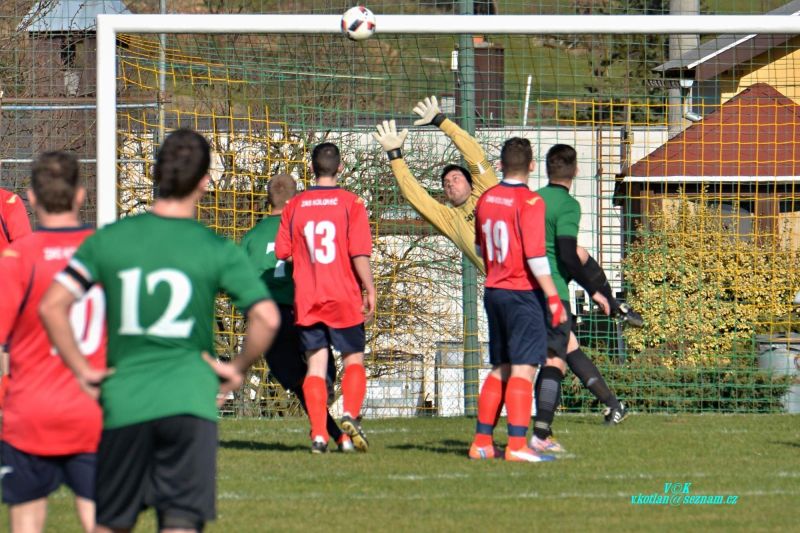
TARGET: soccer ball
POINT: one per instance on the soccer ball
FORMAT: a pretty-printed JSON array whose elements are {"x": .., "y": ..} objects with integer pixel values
[{"x": 358, "y": 23}]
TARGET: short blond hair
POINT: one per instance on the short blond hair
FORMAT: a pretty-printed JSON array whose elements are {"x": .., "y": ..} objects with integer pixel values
[{"x": 280, "y": 189}]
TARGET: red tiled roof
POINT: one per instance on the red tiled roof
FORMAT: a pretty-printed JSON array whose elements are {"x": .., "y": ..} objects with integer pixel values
[{"x": 756, "y": 133}]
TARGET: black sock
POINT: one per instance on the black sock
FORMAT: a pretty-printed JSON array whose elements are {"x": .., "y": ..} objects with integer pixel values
[
  {"x": 333, "y": 429},
  {"x": 597, "y": 276},
  {"x": 548, "y": 397},
  {"x": 587, "y": 372}
]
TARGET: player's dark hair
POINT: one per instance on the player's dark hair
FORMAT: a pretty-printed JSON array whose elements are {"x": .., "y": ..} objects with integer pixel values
[
  {"x": 325, "y": 159},
  {"x": 182, "y": 161},
  {"x": 562, "y": 162},
  {"x": 516, "y": 156},
  {"x": 280, "y": 189},
  {"x": 54, "y": 180},
  {"x": 446, "y": 170}
]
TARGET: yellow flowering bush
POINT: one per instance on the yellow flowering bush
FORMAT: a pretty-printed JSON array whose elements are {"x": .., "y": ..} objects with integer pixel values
[{"x": 703, "y": 289}]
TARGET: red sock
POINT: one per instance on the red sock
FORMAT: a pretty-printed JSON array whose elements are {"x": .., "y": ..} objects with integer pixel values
[
  {"x": 316, "y": 393},
  {"x": 519, "y": 397},
  {"x": 354, "y": 388},
  {"x": 490, "y": 403}
]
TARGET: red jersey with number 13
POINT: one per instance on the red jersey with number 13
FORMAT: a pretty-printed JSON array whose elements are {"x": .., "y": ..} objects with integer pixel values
[
  {"x": 322, "y": 229},
  {"x": 509, "y": 228},
  {"x": 46, "y": 412}
]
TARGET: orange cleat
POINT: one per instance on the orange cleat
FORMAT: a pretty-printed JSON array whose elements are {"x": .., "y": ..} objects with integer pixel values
[
  {"x": 485, "y": 452},
  {"x": 527, "y": 455}
]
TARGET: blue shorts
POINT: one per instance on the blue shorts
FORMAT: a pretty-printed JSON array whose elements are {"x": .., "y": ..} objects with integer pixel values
[
  {"x": 27, "y": 477},
  {"x": 346, "y": 340},
  {"x": 517, "y": 333}
]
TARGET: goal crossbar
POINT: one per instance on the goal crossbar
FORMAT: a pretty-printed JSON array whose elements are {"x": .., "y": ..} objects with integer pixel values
[{"x": 109, "y": 26}]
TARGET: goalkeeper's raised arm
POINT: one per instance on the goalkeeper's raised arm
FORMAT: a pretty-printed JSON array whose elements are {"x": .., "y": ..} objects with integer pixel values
[
  {"x": 454, "y": 222},
  {"x": 482, "y": 172},
  {"x": 392, "y": 141}
]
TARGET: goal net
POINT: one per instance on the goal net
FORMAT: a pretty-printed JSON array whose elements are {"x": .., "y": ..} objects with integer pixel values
[{"x": 687, "y": 164}]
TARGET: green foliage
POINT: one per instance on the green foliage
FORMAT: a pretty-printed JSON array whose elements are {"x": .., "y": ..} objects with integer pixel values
[
  {"x": 702, "y": 288},
  {"x": 622, "y": 64},
  {"x": 646, "y": 384}
]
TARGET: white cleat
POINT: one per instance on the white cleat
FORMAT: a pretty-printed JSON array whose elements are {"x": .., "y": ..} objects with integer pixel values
[{"x": 526, "y": 455}]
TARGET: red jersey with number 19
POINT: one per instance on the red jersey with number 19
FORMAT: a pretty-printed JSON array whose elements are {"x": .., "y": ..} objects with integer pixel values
[
  {"x": 322, "y": 229},
  {"x": 509, "y": 228},
  {"x": 46, "y": 412}
]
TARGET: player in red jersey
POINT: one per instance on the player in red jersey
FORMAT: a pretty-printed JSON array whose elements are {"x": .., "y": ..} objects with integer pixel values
[
  {"x": 14, "y": 224},
  {"x": 325, "y": 230},
  {"x": 51, "y": 428},
  {"x": 510, "y": 236}
]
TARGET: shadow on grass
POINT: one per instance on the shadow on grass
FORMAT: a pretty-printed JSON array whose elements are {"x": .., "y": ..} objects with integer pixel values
[
  {"x": 789, "y": 444},
  {"x": 261, "y": 446},
  {"x": 587, "y": 420},
  {"x": 447, "y": 446}
]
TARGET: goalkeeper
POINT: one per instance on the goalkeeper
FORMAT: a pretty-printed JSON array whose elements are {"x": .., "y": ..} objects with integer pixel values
[
  {"x": 462, "y": 191},
  {"x": 462, "y": 188}
]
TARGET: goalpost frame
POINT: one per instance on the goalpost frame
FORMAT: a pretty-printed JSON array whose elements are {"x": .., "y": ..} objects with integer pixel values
[{"x": 108, "y": 26}]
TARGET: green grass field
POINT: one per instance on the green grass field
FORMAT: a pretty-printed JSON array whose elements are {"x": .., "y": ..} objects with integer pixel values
[{"x": 417, "y": 478}]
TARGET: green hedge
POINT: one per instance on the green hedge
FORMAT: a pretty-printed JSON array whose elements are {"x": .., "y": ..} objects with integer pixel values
[{"x": 645, "y": 385}]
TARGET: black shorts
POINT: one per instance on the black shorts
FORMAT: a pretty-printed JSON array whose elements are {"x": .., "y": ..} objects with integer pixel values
[
  {"x": 517, "y": 332},
  {"x": 27, "y": 477},
  {"x": 285, "y": 358},
  {"x": 168, "y": 464},
  {"x": 346, "y": 340},
  {"x": 558, "y": 337}
]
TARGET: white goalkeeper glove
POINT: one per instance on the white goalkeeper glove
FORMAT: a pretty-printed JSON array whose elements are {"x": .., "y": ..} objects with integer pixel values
[
  {"x": 429, "y": 110},
  {"x": 389, "y": 139}
]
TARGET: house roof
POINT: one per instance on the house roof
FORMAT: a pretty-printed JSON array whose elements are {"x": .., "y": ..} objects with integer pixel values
[
  {"x": 755, "y": 136},
  {"x": 69, "y": 15},
  {"x": 720, "y": 54}
]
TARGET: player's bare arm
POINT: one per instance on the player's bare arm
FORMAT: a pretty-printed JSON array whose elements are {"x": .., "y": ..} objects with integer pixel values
[
  {"x": 263, "y": 321},
  {"x": 541, "y": 271},
  {"x": 602, "y": 302},
  {"x": 4, "y": 366},
  {"x": 364, "y": 272},
  {"x": 230, "y": 379},
  {"x": 54, "y": 312}
]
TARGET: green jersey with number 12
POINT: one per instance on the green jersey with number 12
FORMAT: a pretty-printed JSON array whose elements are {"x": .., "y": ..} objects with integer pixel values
[{"x": 161, "y": 277}]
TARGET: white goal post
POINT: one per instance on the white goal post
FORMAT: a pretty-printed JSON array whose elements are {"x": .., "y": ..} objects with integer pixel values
[{"x": 109, "y": 26}]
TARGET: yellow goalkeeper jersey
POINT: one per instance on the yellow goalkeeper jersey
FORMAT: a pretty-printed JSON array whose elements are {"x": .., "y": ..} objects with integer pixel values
[{"x": 455, "y": 223}]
